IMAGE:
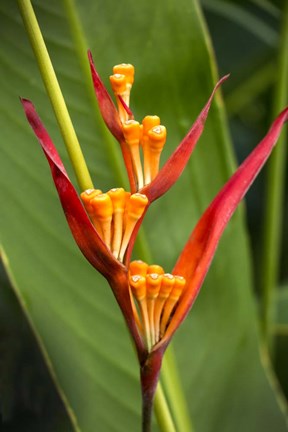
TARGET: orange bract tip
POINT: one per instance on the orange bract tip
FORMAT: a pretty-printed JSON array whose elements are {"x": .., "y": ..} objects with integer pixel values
[
  {"x": 125, "y": 69},
  {"x": 138, "y": 286},
  {"x": 155, "y": 268},
  {"x": 118, "y": 83},
  {"x": 102, "y": 206},
  {"x": 138, "y": 267}
]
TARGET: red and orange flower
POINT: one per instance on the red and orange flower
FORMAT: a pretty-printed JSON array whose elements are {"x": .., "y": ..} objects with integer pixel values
[{"x": 105, "y": 225}]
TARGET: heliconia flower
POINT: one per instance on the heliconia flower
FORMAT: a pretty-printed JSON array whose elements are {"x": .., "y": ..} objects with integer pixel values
[{"x": 104, "y": 225}]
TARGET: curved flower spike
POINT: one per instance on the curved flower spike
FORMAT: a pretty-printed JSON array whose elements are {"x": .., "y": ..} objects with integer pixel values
[{"x": 83, "y": 231}]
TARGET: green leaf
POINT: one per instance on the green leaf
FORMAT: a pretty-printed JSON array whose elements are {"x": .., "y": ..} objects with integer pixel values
[
  {"x": 70, "y": 307},
  {"x": 28, "y": 399}
]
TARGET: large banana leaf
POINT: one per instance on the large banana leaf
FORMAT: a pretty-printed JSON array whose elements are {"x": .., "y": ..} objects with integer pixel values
[{"x": 70, "y": 307}]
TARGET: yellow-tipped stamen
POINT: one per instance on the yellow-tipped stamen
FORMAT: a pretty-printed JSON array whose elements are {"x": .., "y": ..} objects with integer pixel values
[
  {"x": 103, "y": 210},
  {"x": 138, "y": 267},
  {"x": 135, "y": 209},
  {"x": 118, "y": 198},
  {"x": 148, "y": 123},
  {"x": 153, "y": 283},
  {"x": 132, "y": 133},
  {"x": 157, "y": 139},
  {"x": 138, "y": 288},
  {"x": 167, "y": 284},
  {"x": 170, "y": 303}
]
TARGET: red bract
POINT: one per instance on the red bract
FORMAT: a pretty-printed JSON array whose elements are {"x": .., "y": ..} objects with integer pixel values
[
  {"x": 198, "y": 252},
  {"x": 83, "y": 231}
]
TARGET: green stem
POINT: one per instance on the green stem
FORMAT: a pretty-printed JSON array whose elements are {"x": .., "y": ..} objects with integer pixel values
[
  {"x": 173, "y": 388},
  {"x": 162, "y": 411},
  {"x": 81, "y": 46},
  {"x": 275, "y": 192},
  {"x": 55, "y": 94}
]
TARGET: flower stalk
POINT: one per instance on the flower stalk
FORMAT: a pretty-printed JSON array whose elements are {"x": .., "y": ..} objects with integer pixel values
[{"x": 55, "y": 95}]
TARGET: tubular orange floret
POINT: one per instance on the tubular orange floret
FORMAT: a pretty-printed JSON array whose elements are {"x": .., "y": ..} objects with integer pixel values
[
  {"x": 157, "y": 294},
  {"x": 103, "y": 211},
  {"x": 118, "y": 83},
  {"x": 86, "y": 197},
  {"x": 147, "y": 123},
  {"x": 155, "y": 268},
  {"x": 153, "y": 283},
  {"x": 138, "y": 288},
  {"x": 136, "y": 206},
  {"x": 138, "y": 267},
  {"x": 127, "y": 70},
  {"x": 156, "y": 142},
  {"x": 174, "y": 296},
  {"x": 132, "y": 134},
  {"x": 135, "y": 209},
  {"x": 178, "y": 288},
  {"x": 118, "y": 198},
  {"x": 157, "y": 137},
  {"x": 167, "y": 283}
]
